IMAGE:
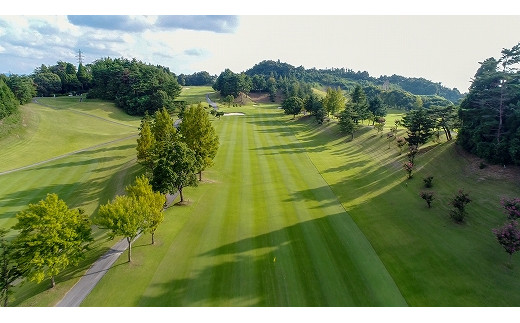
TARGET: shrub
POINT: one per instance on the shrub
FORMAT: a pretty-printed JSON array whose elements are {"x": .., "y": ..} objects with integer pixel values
[
  {"x": 428, "y": 181},
  {"x": 509, "y": 237},
  {"x": 408, "y": 167},
  {"x": 512, "y": 207},
  {"x": 459, "y": 202},
  {"x": 428, "y": 197}
]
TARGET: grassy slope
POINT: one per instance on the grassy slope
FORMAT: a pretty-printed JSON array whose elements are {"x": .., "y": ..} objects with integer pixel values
[
  {"x": 83, "y": 180},
  {"x": 196, "y": 94},
  {"x": 68, "y": 129},
  {"x": 433, "y": 261},
  {"x": 266, "y": 231}
]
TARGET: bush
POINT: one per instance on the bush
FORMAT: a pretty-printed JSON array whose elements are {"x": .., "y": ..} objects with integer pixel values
[
  {"x": 459, "y": 202},
  {"x": 428, "y": 197},
  {"x": 428, "y": 181},
  {"x": 509, "y": 237},
  {"x": 408, "y": 167},
  {"x": 512, "y": 207}
]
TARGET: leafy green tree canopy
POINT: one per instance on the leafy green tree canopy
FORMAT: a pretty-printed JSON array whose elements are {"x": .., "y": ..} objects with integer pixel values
[
  {"x": 51, "y": 237},
  {"x": 199, "y": 135}
]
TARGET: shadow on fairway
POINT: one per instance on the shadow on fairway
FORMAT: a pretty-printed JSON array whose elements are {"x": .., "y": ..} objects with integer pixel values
[{"x": 311, "y": 263}]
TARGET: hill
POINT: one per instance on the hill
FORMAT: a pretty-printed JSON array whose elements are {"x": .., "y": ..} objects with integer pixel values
[{"x": 347, "y": 79}]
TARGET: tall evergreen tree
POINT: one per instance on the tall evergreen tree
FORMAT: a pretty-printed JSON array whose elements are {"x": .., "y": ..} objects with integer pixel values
[
  {"x": 419, "y": 126},
  {"x": 490, "y": 113}
]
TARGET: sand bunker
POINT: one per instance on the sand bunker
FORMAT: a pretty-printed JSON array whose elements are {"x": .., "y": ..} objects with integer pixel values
[{"x": 234, "y": 114}]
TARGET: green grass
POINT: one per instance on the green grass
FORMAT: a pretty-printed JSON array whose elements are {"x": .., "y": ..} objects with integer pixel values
[
  {"x": 196, "y": 94},
  {"x": 434, "y": 261},
  {"x": 85, "y": 179},
  {"x": 54, "y": 131},
  {"x": 265, "y": 230},
  {"x": 292, "y": 214}
]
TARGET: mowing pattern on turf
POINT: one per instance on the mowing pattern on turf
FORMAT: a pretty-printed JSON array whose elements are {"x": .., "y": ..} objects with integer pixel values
[{"x": 265, "y": 230}]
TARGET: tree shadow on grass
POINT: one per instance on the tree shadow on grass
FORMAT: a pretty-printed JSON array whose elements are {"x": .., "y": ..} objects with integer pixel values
[{"x": 310, "y": 263}]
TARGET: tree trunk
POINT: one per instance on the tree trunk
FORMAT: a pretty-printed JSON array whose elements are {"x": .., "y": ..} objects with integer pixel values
[
  {"x": 500, "y": 113},
  {"x": 200, "y": 176},
  {"x": 129, "y": 248},
  {"x": 53, "y": 283},
  {"x": 180, "y": 193},
  {"x": 153, "y": 233}
]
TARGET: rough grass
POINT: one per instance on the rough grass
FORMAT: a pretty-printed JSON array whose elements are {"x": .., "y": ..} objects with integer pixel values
[
  {"x": 55, "y": 131},
  {"x": 434, "y": 261},
  {"x": 85, "y": 179}
]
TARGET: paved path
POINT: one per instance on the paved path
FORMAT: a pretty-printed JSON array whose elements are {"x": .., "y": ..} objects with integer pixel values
[
  {"x": 86, "y": 284},
  {"x": 213, "y": 104},
  {"x": 66, "y": 155}
]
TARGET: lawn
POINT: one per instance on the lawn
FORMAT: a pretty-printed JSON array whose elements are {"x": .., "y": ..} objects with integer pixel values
[
  {"x": 291, "y": 214},
  {"x": 196, "y": 94},
  {"x": 433, "y": 261},
  {"x": 263, "y": 229},
  {"x": 84, "y": 179},
  {"x": 68, "y": 129}
]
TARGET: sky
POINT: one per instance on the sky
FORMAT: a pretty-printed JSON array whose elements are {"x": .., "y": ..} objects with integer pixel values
[{"x": 439, "y": 41}]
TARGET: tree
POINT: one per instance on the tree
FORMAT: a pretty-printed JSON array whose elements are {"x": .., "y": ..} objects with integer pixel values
[
  {"x": 122, "y": 217},
  {"x": 377, "y": 108},
  {"x": 489, "y": 113},
  {"x": 379, "y": 126},
  {"x": 51, "y": 237},
  {"x": 23, "y": 88},
  {"x": 333, "y": 101},
  {"x": 358, "y": 103},
  {"x": 292, "y": 105},
  {"x": 8, "y": 102},
  {"x": 509, "y": 237},
  {"x": 10, "y": 271},
  {"x": 446, "y": 119},
  {"x": 84, "y": 77},
  {"x": 199, "y": 135},
  {"x": 145, "y": 144},
  {"x": 428, "y": 197},
  {"x": 420, "y": 126},
  {"x": 175, "y": 169},
  {"x": 150, "y": 203},
  {"x": 408, "y": 167},
  {"x": 459, "y": 202},
  {"x": 47, "y": 83},
  {"x": 346, "y": 122},
  {"x": 163, "y": 128},
  {"x": 229, "y": 100}
]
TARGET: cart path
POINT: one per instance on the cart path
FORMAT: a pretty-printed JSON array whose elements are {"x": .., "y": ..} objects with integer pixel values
[
  {"x": 213, "y": 104},
  {"x": 89, "y": 280},
  {"x": 66, "y": 155}
]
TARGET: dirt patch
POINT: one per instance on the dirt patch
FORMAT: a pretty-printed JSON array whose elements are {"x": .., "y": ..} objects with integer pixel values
[
  {"x": 263, "y": 97},
  {"x": 184, "y": 203},
  {"x": 509, "y": 172}
]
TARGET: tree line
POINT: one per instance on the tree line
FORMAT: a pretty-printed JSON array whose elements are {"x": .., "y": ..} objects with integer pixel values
[{"x": 490, "y": 113}]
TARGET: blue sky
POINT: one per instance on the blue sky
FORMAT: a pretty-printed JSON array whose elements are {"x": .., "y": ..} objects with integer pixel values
[{"x": 377, "y": 38}]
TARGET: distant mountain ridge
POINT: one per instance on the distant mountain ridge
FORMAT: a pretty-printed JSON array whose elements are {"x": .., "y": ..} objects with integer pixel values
[{"x": 347, "y": 79}]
